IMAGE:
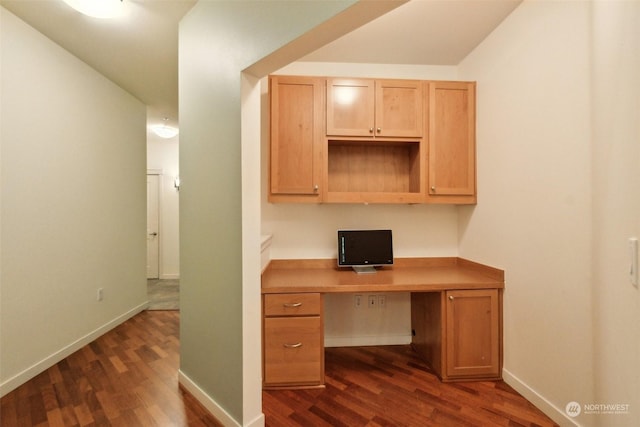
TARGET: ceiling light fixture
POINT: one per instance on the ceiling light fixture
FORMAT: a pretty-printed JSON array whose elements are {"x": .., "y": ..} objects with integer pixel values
[
  {"x": 98, "y": 8},
  {"x": 164, "y": 131}
]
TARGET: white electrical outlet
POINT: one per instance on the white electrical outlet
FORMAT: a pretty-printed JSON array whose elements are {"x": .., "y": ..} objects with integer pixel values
[
  {"x": 100, "y": 295},
  {"x": 357, "y": 301},
  {"x": 373, "y": 301},
  {"x": 382, "y": 301}
]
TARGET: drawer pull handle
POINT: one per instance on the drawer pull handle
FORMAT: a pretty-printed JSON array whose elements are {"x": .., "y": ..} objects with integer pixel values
[
  {"x": 292, "y": 304},
  {"x": 296, "y": 345}
]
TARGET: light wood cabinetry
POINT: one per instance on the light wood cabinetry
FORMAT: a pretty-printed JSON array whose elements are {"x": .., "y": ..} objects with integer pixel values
[
  {"x": 472, "y": 325},
  {"x": 374, "y": 108},
  {"x": 350, "y": 107},
  {"x": 293, "y": 340},
  {"x": 456, "y": 319},
  {"x": 297, "y": 113},
  {"x": 399, "y": 109},
  {"x": 452, "y": 171},
  {"x": 388, "y": 172},
  {"x": 458, "y": 332},
  {"x": 374, "y": 141},
  {"x": 341, "y": 140}
]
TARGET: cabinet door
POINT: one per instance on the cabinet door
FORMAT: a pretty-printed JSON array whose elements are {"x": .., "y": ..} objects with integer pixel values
[
  {"x": 452, "y": 170},
  {"x": 398, "y": 108},
  {"x": 293, "y": 351},
  {"x": 472, "y": 333},
  {"x": 350, "y": 107},
  {"x": 297, "y": 109}
]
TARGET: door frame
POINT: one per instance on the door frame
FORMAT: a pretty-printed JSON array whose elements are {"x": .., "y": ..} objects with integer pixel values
[{"x": 159, "y": 174}]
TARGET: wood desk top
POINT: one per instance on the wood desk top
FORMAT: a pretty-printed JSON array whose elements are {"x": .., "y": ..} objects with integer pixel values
[{"x": 406, "y": 275}]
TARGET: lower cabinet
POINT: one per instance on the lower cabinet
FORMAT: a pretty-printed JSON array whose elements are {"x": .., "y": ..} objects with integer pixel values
[
  {"x": 459, "y": 333},
  {"x": 293, "y": 340}
]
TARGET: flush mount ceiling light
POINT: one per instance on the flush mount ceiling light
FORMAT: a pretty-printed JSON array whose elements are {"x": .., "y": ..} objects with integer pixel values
[
  {"x": 98, "y": 8},
  {"x": 164, "y": 131}
]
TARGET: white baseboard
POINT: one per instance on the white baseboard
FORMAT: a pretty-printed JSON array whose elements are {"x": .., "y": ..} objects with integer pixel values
[
  {"x": 358, "y": 341},
  {"x": 211, "y": 405},
  {"x": 24, "y": 376},
  {"x": 170, "y": 276},
  {"x": 556, "y": 414},
  {"x": 259, "y": 421}
]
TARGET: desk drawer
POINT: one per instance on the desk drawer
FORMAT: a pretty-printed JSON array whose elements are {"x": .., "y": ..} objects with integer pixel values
[
  {"x": 293, "y": 350},
  {"x": 301, "y": 304}
]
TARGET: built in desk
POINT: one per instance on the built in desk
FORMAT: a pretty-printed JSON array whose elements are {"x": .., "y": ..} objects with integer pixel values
[{"x": 456, "y": 315}]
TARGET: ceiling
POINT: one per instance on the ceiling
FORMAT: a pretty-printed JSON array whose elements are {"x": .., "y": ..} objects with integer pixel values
[
  {"x": 424, "y": 32},
  {"x": 140, "y": 52}
]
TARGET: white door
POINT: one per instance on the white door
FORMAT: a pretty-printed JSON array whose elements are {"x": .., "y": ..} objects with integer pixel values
[{"x": 153, "y": 237}]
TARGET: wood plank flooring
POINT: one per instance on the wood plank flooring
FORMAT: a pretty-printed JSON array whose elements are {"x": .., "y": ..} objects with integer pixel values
[
  {"x": 128, "y": 377},
  {"x": 391, "y": 386}
]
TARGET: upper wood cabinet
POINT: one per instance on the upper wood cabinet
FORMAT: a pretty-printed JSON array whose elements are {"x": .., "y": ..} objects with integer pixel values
[
  {"x": 374, "y": 108},
  {"x": 341, "y": 140},
  {"x": 297, "y": 134},
  {"x": 452, "y": 169},
  {"x": 350, "y": 107}
]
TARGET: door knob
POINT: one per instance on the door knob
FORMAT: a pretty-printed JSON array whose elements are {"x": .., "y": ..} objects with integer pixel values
[{"x": 154, "y": 234}]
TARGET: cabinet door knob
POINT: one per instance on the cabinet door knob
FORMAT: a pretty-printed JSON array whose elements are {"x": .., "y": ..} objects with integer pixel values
[
  {"x": 379, "y": 130},
  {"x": 296, "y": 345},
  {"x": 450, "y": 297},
  {"x": 315, "y": 188},
  {"x": 433, "y": 189},
  {"x": 370, "y": 130}
]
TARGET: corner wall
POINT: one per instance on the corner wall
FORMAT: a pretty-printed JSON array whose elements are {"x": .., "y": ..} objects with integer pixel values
[
  {"x": 534, "y": 215},
  {"x": 218, "y": 40},
  {"x": 73, "y": 203},
  {"x": 616, "y": 207}
]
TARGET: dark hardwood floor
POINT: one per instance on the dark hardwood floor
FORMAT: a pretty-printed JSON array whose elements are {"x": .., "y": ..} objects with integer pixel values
[
  {"x": 391, "y": 386},
  {"x": 128, "y": 377}
]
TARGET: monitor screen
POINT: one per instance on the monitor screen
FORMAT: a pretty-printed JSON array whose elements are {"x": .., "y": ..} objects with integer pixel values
[{"x": 360, "y": 248}]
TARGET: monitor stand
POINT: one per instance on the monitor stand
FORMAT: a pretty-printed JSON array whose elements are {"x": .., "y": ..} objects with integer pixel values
[{"x": 364, "y": 269}]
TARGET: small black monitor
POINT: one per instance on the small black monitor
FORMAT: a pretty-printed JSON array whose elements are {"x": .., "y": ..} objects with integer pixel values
[{"x": 363, "y": 250}]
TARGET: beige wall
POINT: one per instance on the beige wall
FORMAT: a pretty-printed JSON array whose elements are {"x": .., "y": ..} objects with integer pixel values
[
  {"x": 73, "y": 203},
  {"x": 616, "y": 206},
  {"x": 557, "y": 141}
]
